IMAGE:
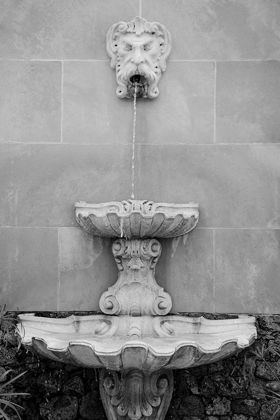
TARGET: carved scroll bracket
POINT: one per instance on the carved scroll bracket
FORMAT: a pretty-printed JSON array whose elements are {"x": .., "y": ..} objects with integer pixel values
[
  {"x": 136, "y": 291},
  {"x": 134, "y": 394}
]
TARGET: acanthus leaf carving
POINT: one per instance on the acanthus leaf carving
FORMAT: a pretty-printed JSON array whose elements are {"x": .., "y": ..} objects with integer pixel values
[{"x": 135, "y": 394}]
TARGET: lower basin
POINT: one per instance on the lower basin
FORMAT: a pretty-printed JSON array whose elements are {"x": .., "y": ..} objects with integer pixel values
[{"x": 147, "y": 343}]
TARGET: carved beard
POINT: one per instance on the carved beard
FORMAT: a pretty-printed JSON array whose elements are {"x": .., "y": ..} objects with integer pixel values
[{"x": 130, "y": 69}]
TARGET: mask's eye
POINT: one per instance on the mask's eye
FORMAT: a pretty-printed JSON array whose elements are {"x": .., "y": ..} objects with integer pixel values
[
  {"x": 148, "y": 46},
  {"x": 127, "y": 47}
]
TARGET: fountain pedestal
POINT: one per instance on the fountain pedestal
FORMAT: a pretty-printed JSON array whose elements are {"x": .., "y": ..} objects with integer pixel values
[
  {"x": 136, "y": 292},
  {"x": 135, "y": 342}
]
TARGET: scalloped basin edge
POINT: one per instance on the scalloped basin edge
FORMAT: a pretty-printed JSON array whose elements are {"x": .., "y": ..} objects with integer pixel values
[
  {"x": 137, "y": 218},
  {"x": 170, "y": 342}
]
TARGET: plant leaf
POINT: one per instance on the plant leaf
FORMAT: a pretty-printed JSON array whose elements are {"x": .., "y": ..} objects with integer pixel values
[{"x": 12, "y": 380}]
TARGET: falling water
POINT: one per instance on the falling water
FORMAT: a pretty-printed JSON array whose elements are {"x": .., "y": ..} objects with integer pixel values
[{"x": 133, "y": 143}]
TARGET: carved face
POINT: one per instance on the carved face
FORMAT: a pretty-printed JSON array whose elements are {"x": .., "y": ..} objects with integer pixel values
[
  {"x": 140, "y": 49},
  {"x": 138, "y": 55},
  {"x": 138, "y": 52}
]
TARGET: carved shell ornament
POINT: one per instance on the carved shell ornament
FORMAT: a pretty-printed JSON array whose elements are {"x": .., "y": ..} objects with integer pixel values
[{"x": 138, "y": 52}]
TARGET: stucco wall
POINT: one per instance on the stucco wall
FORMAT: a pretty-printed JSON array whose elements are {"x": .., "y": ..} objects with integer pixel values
[{"x": 212, "y": 137}]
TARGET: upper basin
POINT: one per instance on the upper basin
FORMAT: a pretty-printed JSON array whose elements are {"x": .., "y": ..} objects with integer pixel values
[
  {"x": 146, "y": 343},
  {"x": 137, "y": 219}
]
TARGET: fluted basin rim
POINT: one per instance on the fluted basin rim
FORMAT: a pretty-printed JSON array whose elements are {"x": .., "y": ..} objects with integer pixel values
[
  {"x": 217, "y": 339},
  {"x": 137, "y": 218}
]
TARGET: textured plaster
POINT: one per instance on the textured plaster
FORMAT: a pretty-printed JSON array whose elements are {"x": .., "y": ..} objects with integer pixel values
[
  {"x": 255, "y": 285},
  {"x": 91, "y": 114},
  {"x": 60, "y": 30},
  {"x": 28, "y": 269},
  {"x": 219, "y": 30},
  {"x": 85, "y": 263},
  {"x": 236, "y": 185},
  {"x": 248, "y": 102},
  {"x": 48, "y": 179},
  {"x": 30, "y": 102}
]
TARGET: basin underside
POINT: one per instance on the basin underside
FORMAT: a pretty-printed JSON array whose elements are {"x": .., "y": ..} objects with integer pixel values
[{"x": 149, "y": 343}]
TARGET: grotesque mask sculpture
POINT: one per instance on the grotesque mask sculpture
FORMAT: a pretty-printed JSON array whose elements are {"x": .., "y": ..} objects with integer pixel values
[{"x": 138, "y": 51}]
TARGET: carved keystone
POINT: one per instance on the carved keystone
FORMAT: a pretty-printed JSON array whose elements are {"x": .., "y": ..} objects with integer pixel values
[
  {"x": 136, "y": 291},
  {"x": 136, "y": 394}
]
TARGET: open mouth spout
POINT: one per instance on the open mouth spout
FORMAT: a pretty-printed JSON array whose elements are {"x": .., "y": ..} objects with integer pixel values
[{"x": 138, "y": 85}]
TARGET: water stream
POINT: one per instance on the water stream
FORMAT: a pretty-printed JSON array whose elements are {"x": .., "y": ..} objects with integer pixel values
[{"x": 133, "y": 144}]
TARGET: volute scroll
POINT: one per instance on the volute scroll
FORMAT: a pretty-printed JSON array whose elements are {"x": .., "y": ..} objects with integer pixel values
[
  {"x": 136, "y": 291},
  {"x": 136, "y": 395}
]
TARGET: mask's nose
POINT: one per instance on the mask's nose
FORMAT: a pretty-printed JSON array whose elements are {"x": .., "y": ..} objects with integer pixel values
[{"x": 137, "y": 57}]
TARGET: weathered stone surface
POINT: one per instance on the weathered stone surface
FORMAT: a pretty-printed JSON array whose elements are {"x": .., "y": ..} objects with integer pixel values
[
  {"x": 74, "y": 385},
  {"x": 30, "y": 103},
  {"x": 39, "y": 183},
  {"x": 216, "y": 30},
  {"x": 268, "y": 371},
  {"x": 188, "y": 261},
  {"x": 220, "y": 406},
  {"x": 270, "y": 324},
  {"x": 60, "y": 408},
  {"x": 91, "y": 407},
  {"x": 48, "y": 382},
  {"x": 230, "y": 389},
  {"x": 192, "y": 406},
  {"x": 34, "y": 366},
  {"x": 248, "y": 99},
  {"x": 245, "y": 406},
  {"x": 29, "y": 263},
  {"x": 227, "y": 386},
  {"x": 207, "y": 387},
  {"x": 92, "y": 113},
  {"x": 8, "y": 356},
  {"x": 7, "y": 193},
  {"x": 269, "y": 409},
  {"x": 43, "y": 182},
  {"x": 85, "y": 263},
  {"x": 273, "y": 385},
  {"x": 239, "y": 417},
  {"x": 184, "y": 383},
  {"x": 247, "y": 267},
  {"x": 223, "y": 179},
  {"x": 56, "y": 30},
  {"x": 184, "y": 112},
  {"x": 257, "y": 389}
]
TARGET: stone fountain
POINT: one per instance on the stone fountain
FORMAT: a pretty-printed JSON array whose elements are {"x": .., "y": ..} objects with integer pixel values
[{"x": 135, "y": 341}]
